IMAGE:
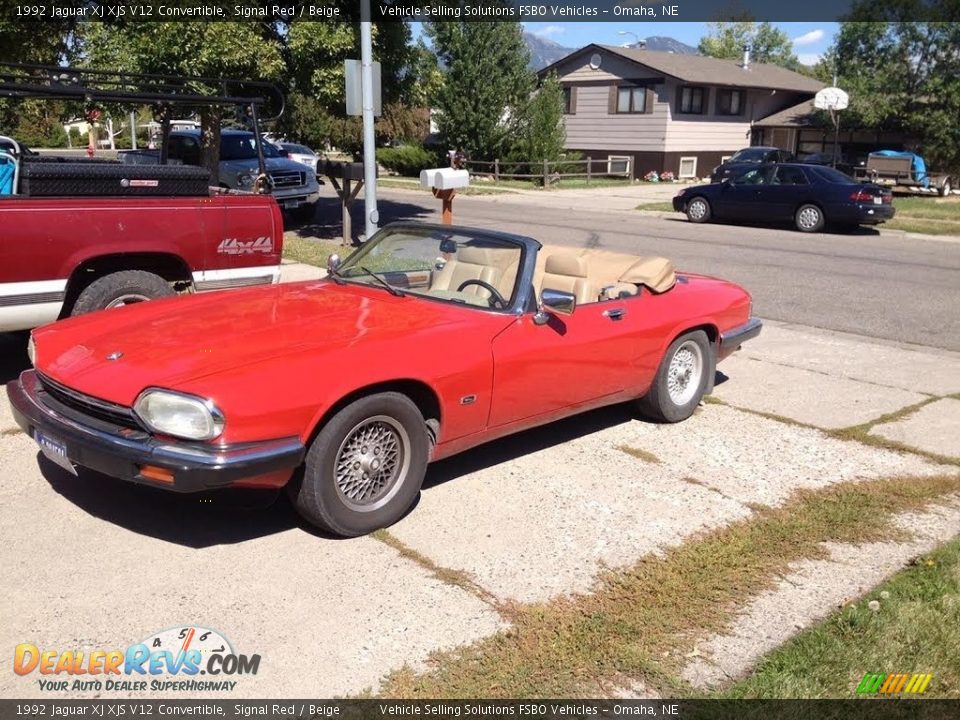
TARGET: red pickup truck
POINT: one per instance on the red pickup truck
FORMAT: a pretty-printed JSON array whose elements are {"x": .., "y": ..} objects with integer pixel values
[{"x": 77, "y": 236}]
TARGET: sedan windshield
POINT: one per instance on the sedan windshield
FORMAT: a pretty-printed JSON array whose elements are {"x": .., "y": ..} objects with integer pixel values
[
  {"x": 749, "y": 155},
  {"x": 243, "y": 147},
  {"x": 438, "y": 263}
]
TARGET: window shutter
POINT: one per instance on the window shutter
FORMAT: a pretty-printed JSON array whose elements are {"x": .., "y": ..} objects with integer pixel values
[
  {"x": 573, "y": 100},
  {"x": 612, "y": 103},
  {"x": 651, "y": 99}
]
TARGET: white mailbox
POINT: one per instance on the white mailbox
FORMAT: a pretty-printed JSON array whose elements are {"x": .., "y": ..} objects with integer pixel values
[{"x": 444, "y": 178}]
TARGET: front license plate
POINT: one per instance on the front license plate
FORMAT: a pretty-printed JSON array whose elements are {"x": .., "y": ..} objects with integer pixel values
[
  {"x": 55, "y": 451},
  {"x": 291, "y": 204}
]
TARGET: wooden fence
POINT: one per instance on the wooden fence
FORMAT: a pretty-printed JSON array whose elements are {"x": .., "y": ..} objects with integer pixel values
[{"x": 549, "y": 171}]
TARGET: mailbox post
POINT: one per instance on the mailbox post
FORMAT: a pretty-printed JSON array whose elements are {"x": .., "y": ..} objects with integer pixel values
[
  {"x": 444, "y": 182},
  {"x": 346, "y": 173}
]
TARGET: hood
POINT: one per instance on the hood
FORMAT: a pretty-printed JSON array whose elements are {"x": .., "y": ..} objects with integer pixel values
[{"x": 166, "y": 343}]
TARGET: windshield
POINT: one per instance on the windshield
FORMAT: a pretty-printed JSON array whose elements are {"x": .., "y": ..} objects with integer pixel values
[
  {"x": 749, "y": 155},
  {"x": 299, "y": 149},
  {"x": 439, "y": 263},
  {"x": 243, "y": 147}
]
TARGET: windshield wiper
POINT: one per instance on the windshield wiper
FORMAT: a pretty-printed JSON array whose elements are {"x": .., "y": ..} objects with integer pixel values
[{"x": 387, "y": 286}]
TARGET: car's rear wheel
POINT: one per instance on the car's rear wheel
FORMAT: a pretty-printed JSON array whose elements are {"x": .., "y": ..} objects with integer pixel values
[
  {"x": 121, "y": 288},
  {"x": 698, "y": 210},
  {"x": 681, "y": 379},
  {"x": 365, "y": 468},
  {"x": 809, "y": 218}
]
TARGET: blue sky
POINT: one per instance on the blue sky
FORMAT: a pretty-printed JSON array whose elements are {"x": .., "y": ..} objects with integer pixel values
[{"x": 810, "y": 39}]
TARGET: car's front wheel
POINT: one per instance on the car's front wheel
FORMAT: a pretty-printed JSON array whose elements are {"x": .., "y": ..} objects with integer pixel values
[
  {"x": 681, "y": 380},
  {"x": 365, "y": 468},
  {"x": 698, "y": 210},
  {"x": 809, "y": 219}
]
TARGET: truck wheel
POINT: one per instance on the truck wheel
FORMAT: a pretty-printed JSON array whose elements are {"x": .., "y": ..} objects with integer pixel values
[
  {"x": 121, "y": 288},
  {"x": 681, "y": 379},
  {"x": 366, "y": 466}
]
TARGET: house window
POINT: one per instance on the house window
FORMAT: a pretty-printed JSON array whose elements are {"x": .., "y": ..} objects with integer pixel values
[
  {"x": 618, "y": 164},
  {"x": 688, "y": 167},
  {"x": 569, "y": 107},
  {"x": 691, "y": 101},
  {"x": 631, "y": 100},
  {"x": 730, "y": 102}
]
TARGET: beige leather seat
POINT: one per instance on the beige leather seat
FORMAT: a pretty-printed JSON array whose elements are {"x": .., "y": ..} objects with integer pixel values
[
  {"x": 568, "y": 273},
  {"x": 471, "y": 263}
]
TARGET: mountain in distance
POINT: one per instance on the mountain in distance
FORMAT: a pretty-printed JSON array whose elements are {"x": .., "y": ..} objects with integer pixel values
[{"x": 544, "y": 51}]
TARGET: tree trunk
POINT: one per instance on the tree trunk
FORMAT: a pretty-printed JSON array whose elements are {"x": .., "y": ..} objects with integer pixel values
[{"x": 210, "y": 121}]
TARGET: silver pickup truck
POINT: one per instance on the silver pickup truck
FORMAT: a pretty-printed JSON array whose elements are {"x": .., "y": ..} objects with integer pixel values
[{"x": 295, "y": 186}]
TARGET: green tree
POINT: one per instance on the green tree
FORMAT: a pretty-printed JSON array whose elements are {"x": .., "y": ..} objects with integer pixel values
[
  {"x": 209, "y": 49},
  {"x": 903, "y": 73},
  {"x": 542, "y": 133},
  {"x": 486, "y": 83},
  {"x": 767, "y": 43}
]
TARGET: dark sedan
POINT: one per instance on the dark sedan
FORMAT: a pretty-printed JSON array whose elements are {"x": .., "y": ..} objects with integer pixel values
[
  {"x": 810, "y": 196},
  {"x": 743, "y": 160}
]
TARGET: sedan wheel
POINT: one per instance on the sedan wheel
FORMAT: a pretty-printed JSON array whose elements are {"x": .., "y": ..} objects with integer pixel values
[
  {"x": 809, "y": 218},
  {"x": 698, "y": 210},
  {"x": 681, "y": 380},
  {"x": 366, "y": 466}
]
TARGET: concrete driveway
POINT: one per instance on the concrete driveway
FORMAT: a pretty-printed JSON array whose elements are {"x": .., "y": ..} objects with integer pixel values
[{"x": 93, "y": 563}]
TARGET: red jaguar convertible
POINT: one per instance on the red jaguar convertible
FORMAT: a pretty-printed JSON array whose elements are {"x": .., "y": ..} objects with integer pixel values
[{"x": 425, "y": 342}]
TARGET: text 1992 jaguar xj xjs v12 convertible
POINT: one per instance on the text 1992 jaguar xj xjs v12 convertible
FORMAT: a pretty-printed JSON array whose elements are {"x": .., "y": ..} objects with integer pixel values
[{"x": 426, "y": 341}]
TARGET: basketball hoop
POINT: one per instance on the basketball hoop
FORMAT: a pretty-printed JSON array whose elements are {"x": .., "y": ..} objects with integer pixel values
[{"x": 832, "y": 99}]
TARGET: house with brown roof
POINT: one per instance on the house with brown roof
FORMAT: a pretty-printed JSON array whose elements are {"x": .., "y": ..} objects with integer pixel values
[{"x": 669, "y": 112}]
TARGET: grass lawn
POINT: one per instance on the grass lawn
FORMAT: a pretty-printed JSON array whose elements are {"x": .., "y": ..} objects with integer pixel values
[
  {"x": 927, "y": 215},
  {"x": 312, "y": 251},
  {"x": 641, "y": 622},
  {"x": 915, "y": 630},
  {"x": 656, "y": 206}
]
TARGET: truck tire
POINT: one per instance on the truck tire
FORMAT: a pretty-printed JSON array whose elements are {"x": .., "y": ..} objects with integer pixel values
[{"x": 121, "y": 288}]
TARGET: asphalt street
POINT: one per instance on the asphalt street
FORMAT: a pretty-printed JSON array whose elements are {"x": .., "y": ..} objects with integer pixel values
[{"x": 885, "y": 286}]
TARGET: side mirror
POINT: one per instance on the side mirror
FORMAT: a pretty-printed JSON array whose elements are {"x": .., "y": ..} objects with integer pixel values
[
  {"x": 725, "y": 181},
  {"x": 333, "y": 262},
  {"x": 554, "y": 301}
]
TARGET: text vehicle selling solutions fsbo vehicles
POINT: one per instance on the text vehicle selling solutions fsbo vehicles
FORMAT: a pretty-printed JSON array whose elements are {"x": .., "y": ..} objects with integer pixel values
[{"x": 425, "y": 342}]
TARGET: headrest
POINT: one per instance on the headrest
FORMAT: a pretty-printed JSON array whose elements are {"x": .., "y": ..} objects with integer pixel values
[
  {"x": 564, "y": 264},
  {"x": 475, "y": 255},
  {"x": 655, "y": 273}
]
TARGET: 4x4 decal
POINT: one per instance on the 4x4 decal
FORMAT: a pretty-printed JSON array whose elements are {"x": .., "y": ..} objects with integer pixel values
[{"x": 232, "y": 246}]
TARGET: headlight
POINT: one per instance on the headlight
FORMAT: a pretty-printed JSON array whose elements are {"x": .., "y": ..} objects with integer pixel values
[
  {"x": 183, "y": 416},
  {"x": 32, "y": 352}
]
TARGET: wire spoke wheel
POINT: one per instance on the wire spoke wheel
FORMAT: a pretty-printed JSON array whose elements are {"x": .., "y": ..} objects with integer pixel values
[
  {"x": 372, "y": 463},
  {"x": 684, "y": 373}
]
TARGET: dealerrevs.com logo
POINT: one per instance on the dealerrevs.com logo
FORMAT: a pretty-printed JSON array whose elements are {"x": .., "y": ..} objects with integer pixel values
[{"x": 186, "y": 658}]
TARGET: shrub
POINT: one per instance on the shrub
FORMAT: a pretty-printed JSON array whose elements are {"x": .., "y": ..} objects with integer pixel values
[
  {"x": 652, "y": 176},
  {"x": 667, "y": 176},
  {"x": 406, "y": 160}
]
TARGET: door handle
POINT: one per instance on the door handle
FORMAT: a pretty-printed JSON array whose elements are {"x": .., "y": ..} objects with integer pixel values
[{"x": 615, "y": 313}]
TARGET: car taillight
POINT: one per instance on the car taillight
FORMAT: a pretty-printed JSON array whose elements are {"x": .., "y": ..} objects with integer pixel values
[
  {"x": 862, "y": 196},
  {"x": 888, "y": 199}
]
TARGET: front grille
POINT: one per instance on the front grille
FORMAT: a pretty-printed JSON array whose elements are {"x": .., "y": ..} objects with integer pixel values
[
  {"x": 89, "y": 406},
  {"x": 288, "y": 179}
]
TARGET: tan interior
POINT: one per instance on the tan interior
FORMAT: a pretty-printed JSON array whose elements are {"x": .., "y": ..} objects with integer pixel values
[
  {"x": 471, "y": 263},
  {"x": 591, "y": 274},
  {"x": 611, "y": 274}
]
